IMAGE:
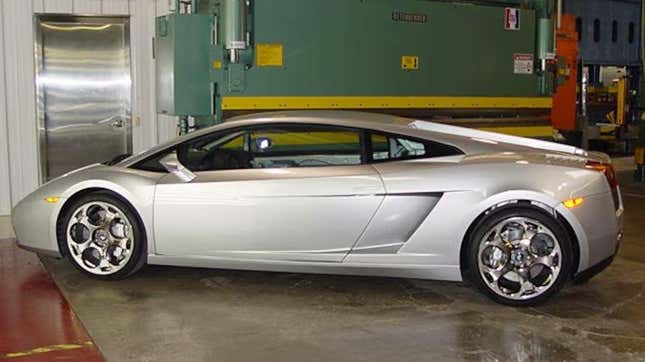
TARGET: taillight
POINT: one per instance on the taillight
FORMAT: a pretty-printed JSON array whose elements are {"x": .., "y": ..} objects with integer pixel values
[{"x": 607, "y": 169}]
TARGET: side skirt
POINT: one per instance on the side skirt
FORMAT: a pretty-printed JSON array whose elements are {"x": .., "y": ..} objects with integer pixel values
[{"x": 434, "y": 272}]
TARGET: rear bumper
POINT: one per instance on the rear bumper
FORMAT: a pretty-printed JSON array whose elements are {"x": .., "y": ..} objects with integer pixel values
[
  {"x": 597, "y": 268},
  {"x": 591, "y": 272}
]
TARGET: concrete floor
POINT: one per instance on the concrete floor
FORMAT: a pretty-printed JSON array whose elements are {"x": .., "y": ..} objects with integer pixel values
[{"x": 169, "y": 314}]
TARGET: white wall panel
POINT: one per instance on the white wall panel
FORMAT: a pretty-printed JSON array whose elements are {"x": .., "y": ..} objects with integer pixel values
[
  {"x": 88, "y": 7},
  {"x": 116, "y": 7},
  {"x": 5, "y": 185},
  {"x": 39, "y": 6},
  {"x": 165, "y": 6},
  {"x": 20, "y": 101},
  {"x": 58, "y": 6},
  {"x": 167, "y": 127},
  {"x": 144, "y": 115}
]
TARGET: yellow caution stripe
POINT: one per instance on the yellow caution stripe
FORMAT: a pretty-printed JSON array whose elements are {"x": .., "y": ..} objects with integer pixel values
[
  {"x": 251, "y": 103},
  {"x": 45, "y": 349}
]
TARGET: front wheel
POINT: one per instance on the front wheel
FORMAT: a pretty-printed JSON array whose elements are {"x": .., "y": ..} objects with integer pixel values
[
  {"x": 102, "y": 237},
  {"x": 519, "y": 257}
]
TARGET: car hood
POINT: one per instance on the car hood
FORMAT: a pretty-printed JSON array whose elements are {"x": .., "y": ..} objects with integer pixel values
[{"x": 117, "y": 179}]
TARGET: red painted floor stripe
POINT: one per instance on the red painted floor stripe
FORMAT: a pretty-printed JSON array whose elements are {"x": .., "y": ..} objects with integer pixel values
[{"x": 36, "y": 322}]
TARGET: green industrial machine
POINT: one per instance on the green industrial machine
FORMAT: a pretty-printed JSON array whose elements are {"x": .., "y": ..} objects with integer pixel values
[{"x": 415, "y": 57}]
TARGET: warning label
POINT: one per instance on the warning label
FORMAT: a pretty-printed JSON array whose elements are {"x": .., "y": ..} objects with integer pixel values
[
  {"x": 409, "y": 62},
  {"x": 523, "y": 63},
  {"x": 511, "y": 19},
  {"x": 269, "y": 55}
]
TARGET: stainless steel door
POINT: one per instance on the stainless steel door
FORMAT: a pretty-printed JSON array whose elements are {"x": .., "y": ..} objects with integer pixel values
[{"x": 84, "y": 91}]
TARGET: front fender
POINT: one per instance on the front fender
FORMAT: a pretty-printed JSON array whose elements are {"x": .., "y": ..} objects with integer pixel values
[
  {"x": 35, "y": 219},
  {"x": 141, "y": 199}
]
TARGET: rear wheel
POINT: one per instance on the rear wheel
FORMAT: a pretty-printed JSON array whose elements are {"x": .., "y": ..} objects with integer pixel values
[
  {"x": 102, "y": 237},
  {"x": 519, "y": 256}
]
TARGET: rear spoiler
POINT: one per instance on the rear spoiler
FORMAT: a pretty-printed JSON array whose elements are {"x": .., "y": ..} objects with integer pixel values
[{"x": 497, "y": 137}]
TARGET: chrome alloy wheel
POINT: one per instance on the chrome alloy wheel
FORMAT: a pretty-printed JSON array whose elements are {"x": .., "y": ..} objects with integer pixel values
[
  {"x": 519, "y": 258},
  {"x": 99, "y": 237}
]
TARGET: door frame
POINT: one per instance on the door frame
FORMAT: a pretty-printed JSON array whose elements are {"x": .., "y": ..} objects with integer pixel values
[
  {"x": 39, "y": 91},
  {"x": 209, "y": 178}
]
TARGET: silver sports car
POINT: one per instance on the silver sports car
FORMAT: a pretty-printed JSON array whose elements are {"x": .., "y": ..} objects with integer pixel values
[{"x": 340, "y": 192}]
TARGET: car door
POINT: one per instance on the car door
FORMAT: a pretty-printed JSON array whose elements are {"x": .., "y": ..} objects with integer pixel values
[{"x": 270, "y": 192}]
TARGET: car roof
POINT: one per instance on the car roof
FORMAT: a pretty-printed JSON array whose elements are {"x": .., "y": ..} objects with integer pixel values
[
  {"x": 361, "y": 120},
  {"x": 329, "y": 117}
]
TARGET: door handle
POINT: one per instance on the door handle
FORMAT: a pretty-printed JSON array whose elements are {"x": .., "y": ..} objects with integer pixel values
[{"x": 118, "y": 123}]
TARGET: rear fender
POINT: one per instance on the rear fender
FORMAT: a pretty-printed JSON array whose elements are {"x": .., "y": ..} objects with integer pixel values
[
  {"x": 539, "y": 200},
  {"x": 441, "y": 236}
]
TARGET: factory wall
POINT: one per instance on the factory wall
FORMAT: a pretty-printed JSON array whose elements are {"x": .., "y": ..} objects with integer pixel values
[{"x": 19, "y": 145}]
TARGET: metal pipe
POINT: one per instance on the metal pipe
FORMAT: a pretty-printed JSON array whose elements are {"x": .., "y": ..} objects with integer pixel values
[
  {"x": 584, "y": 91},
  {"x": 193, "y": 6},
  {"x": 234, "y": 27},
  {"x": 559, "y": 16},
  {"x": 234, "y": 56},
  {"x": 545, "y": 39},
  {"x": 557, "y": 27}
]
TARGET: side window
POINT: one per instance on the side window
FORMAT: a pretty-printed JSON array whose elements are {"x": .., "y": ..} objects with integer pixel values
[
  {"x": 304, "y": 147},
  {"x": 220, "y": 151},
  {"x": 152, "y": 163},
  {"x": 278, "y": 147},
  {"x": 237, "y": 143},
  {"x": 393, "y": 147},
  {"x": 216, "y": 152}
]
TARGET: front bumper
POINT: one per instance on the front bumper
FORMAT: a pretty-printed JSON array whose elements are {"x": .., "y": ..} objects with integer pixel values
[
  {"x": 34, "y": 223},
  {"x": 47, "y": 252}
]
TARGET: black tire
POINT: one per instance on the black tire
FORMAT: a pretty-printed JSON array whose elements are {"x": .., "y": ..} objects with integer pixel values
[
  {"x": 472, "y": 273},
  {"x": 139, "y": 248}
]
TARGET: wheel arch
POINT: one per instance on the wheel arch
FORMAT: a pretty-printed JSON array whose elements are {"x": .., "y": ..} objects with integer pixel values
[
  {"x": 78, "y": 194},
  {"x": 520, "y": 203}
]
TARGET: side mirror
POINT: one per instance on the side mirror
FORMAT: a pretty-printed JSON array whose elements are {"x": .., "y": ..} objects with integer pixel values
[{"x": 171, "y": 163}]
